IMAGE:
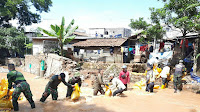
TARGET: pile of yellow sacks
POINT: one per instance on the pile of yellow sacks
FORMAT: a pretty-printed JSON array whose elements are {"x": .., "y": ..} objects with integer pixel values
[
  {"x": 5, "y": 103},
  {"x": 76, "y": 93}
]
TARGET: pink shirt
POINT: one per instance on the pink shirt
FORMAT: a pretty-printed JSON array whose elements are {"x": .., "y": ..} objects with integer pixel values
[{"x": 127, "y": 79}]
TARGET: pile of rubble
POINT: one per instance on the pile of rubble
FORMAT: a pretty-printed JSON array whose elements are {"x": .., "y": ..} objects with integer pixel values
[{"x": 3, "y": 70}]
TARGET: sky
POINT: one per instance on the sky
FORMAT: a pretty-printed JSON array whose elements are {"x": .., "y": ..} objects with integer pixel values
[{"x": 96, "y": 13}]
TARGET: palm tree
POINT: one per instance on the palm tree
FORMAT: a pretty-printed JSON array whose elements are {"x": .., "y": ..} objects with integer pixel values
[{"x": 64, "y": 35}]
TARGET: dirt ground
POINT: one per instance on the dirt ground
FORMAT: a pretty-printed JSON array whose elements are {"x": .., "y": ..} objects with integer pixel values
[{"x": 132, "y": 100}]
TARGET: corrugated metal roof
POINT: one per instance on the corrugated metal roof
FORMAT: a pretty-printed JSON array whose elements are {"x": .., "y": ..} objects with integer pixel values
[{"x": 100, "y": 42}]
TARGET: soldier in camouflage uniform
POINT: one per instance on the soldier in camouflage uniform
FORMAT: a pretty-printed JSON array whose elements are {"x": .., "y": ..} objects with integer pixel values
[
  {"x": 75, "y": 79},
  {"x": 51, "y": 87},
  {"x": 97, "y": 82},
  {"x": 21, "y": 86},
  {"x": 179, "y": 70}
]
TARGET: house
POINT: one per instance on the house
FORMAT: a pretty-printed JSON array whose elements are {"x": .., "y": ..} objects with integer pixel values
[
  {"x": 109, "y": 32},
  {"x": 44, "y": 44},
  {"x": 50, "y": 44},
  {"x": 105, "y": 50}
]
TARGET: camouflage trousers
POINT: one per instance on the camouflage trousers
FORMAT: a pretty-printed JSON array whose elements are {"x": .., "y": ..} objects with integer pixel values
[
  {"x": 53, "y": 92},
  {"x": 177, "y": 83},
  {"x": 25, "y": 89}
]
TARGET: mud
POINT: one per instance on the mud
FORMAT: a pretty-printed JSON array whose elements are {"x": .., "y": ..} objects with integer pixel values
[{"x": 131, "y": 101}]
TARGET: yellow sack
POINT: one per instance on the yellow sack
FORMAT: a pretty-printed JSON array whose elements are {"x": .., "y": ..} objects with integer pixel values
[
  {"x": 6, "y": 104},
  {"x": 172, "y": 78},
  {"x": 11, "y": 92},
  {"x": 76, "y": 93},
  {"x": 2, "y": 94},
  {"x": 156, "y": 87},
  {"x": 108, "y": 91},
  {"x": 159, "y": 70}
]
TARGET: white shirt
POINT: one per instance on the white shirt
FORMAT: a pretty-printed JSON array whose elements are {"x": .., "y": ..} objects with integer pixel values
[
  {"x": 165, "y": 71},
  {"x": 116, "y": 83}
]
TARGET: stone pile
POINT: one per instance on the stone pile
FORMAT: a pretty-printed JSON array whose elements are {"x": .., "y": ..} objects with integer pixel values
[{"x": 3, "y": 70}]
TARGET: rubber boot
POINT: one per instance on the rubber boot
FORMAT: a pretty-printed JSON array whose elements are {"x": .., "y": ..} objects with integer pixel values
[
  {"x": 163, "y": 87},
  {"x": 15, "y": 106}
]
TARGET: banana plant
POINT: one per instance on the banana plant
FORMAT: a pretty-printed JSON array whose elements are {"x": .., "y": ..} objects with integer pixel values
[{"x": 64, "y": 34}]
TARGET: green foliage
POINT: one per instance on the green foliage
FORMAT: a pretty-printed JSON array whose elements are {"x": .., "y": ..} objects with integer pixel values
[
  {"x": 29, "y": 45},
  {"x": 180, "y": 14},
  {"x": 198, "y": 56},
  {"x": 64, "y": 35},
  {"x": 139, "y": 24},
  {"x": 21, "y": 10},
  {"x": 12, "y": 39},
  {"x": 152, "y": 31}
]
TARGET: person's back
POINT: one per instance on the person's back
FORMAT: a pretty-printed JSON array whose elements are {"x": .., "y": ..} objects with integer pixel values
[
  {"x": 21, "y": 86},
  {"x": 54, "y": 82},
  {"x": 117, "y": 84},
  {"x": 165, "y": 71},
  {"x": 179, "y": 70}
]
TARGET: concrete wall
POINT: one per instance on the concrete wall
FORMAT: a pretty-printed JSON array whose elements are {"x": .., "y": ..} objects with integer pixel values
[
  {"x": 16, "y": 61},
  {"x": 37, "y": 47},
  {"x": 54, "y": 64}
]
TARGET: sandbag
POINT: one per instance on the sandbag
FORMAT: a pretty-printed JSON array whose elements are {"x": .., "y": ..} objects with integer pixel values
[
  {"x": 156, "y": 87},
  {"x": 76, "y": 93},
  {"x": 2, "y": 94},
  {"x": 108, "y": 91},
  {"x": 6, "y": 104}
]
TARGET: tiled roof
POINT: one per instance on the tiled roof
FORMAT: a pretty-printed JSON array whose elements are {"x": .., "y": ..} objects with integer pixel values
[{"x": 100, "y": 42}]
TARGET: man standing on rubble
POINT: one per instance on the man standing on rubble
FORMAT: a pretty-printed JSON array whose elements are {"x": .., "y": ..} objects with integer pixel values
[
  {"x": 21, "y": 86},
  {"x": 75, "y": 79},
  {"x": 124, "y": 76},
  {"x": 51, "y": 87},
  {"x": 98, "y": 82},
  {"x": 179, "y": 70}
]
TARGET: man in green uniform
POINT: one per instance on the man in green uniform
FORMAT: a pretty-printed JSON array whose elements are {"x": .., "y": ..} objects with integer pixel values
[
  {"x": 97, "y": 82},
  {"x": 179, "y": 70},
  {"x": 51, "y": 87},
  {"x": 21, "y": 86},
  {"x": 75, "y": 79}
]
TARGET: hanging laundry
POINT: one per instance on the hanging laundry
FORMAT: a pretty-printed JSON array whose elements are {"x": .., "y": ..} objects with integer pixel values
[
  {"x": 126, "y": 49},
  {"x": 162, "y": 44},
  {"x": 122, "y": 49},
  {"x": 130, "y": 49},
  {"x": 186, "y": 43},
  {"x": 143, "y": 48},
  {"x": 151, "y": 49}
]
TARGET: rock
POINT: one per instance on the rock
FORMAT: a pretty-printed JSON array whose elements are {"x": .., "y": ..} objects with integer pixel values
[{"x": 3, "y": 70}]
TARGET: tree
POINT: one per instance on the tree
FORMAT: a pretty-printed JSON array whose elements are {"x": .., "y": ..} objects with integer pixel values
[
  {"x": 64, "y": 35},
  {"x": 21, "y": 10},
  {"x": 12, "y": 39},
  {"x": 152, "y": 31},
  {"x": 176, "y": 13}
]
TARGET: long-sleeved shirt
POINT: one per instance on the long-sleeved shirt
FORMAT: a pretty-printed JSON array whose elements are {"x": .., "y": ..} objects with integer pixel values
[
  {"x": 98, "y": 81},
  {"x": 116, "y": 83},
  {"x": 150, "y": 76},
  {"x": 165, "y": 71},
  {"x": 54, "y": 82},
  {"x": 179, "y": 69},
  {"x": 75, "y": 80},
  {"x": 14, "y": 77},
  {"x": 126, "y": 79}
]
